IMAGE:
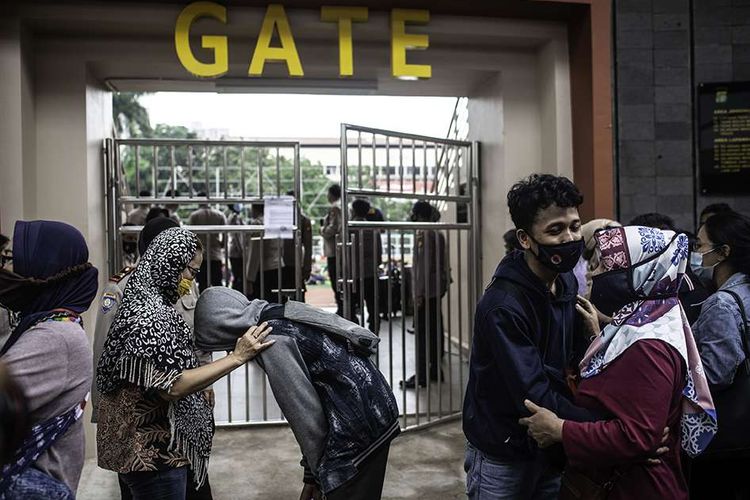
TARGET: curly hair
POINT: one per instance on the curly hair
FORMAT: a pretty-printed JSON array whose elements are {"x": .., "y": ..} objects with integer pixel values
[{"x": 537, "y": 192}]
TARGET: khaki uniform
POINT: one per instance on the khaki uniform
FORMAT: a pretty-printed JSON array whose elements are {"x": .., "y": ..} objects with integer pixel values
[{"x": 108, "y": 305}]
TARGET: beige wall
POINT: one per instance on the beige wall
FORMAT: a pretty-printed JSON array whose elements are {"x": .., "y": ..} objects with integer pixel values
[
  {"x": 55, "y": 117},
  {"x": 17, "y": 124},
  {"x": 521, "y": 117}
]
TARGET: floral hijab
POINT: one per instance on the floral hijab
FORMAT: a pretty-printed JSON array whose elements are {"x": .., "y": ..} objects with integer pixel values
[
  {"x": 656, "y": 262},
  {"x": 150, "y": 345}
]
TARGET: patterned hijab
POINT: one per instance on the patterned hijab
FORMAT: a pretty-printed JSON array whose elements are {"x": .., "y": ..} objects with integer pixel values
[
  {"x": 150, "y": 345},
  {"x": 656, "y": 261}
]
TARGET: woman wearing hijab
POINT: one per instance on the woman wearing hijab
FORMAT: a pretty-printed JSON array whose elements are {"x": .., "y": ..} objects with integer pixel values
[
  {"x": 48, "y": 355},
  {"x": 153, "y": 423},
  {"x": 642, "y": 372},
  {"x": 587, "y": 263}
]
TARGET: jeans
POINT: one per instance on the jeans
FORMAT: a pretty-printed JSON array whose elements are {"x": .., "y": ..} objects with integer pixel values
[
  {"x": 489, "y": 479},
  {"x": 34, "y": 484},
  {"x": 203, "y": 493},
  {"x": 170, "y": 484}
]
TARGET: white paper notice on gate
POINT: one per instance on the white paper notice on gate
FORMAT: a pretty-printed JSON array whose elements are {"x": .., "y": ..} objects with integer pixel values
[{"x": 278, "y": 217}]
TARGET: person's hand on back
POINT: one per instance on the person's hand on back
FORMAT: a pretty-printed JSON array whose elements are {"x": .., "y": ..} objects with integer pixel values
[{"x": 252, "y": 342}]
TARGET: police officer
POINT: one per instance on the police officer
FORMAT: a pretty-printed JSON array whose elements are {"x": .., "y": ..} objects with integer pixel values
[{"x": 110, "y": 301}]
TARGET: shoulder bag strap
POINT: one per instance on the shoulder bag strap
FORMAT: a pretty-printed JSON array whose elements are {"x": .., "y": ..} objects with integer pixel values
[{"x": 743, "y": 331}]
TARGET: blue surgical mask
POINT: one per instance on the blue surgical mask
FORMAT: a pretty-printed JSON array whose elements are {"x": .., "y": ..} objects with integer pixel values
[{"x": 704, "y": 273}]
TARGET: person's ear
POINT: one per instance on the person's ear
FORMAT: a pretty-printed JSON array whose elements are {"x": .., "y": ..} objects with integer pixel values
[
  {"x": 724, "y": 251},
  {"x": 523, "y": 239}
]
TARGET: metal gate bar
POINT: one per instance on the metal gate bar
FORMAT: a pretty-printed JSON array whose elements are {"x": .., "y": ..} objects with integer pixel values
[
  {"x": 453, "y": 185},
  {"x": 220, "y": 168}
]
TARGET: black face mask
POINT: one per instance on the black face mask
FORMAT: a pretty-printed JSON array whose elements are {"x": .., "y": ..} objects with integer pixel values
[
  {"x": 611, "y": 291},
  {"x": 560, "y": 258}
]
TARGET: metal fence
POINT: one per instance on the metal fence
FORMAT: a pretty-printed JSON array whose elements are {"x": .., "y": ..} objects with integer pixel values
[
  {"x": 184, "y": 175},
  {"x": 430, "y": 291}
]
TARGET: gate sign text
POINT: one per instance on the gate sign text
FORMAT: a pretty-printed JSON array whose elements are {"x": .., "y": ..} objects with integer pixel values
[{"x": 275, "y": 20}]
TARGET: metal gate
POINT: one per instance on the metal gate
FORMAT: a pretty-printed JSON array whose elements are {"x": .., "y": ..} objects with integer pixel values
[
  {"x": 434, "y": 259},
  {"x": 183, "y": 175}
]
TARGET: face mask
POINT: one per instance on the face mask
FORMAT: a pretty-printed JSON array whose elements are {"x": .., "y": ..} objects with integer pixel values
[
  {"x": 184, "y": 287},
  {"x": 704, "y": 273},
  {"x": 560, "y": 258},
  {"x": 610, "y": 291}
]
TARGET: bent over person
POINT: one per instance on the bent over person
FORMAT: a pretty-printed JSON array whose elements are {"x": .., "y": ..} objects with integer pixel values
[{"x": 339, "y": 406}]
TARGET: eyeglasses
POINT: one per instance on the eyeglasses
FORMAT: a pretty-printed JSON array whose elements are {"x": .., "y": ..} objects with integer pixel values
[{"x": 193, "y": 271}]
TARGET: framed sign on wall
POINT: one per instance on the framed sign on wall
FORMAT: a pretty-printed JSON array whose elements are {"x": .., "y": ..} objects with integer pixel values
[{"x": 724, "y": 138}]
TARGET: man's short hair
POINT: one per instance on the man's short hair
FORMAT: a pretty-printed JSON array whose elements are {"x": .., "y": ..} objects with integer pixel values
[
  {"x": 335, "y": 191},
  {"x": 360, "y": 207},
  {"x": 155, "y": 212},
  {"x": 655, "y": 220},
  {"x": 422, "y": 210},
  {"x": 144, "y": 192},
  {"x": 535, "y": 193}
]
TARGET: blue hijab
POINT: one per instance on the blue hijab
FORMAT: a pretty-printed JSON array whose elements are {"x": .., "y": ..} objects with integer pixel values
[{"x": 44, "y": 250}]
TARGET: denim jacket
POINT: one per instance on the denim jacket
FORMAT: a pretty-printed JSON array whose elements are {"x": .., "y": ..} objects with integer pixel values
[{"x": 718, "y": 331}]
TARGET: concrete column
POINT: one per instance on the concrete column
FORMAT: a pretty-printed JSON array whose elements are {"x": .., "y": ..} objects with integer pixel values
[
  {"x": 73, "y": 116},
  {"x": 17, "y": 135}
]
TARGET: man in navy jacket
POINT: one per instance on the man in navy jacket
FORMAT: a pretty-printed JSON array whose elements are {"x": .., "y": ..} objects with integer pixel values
[{"x": 527, "y": 335}]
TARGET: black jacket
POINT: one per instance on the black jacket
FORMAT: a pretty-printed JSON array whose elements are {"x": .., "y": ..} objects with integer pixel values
[{"x": 524, "y": 340}]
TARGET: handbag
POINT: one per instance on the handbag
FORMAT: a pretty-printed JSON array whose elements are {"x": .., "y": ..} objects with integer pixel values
[
  {"x": 733, "y": 406},
  {"x": 576, "y": 485}
]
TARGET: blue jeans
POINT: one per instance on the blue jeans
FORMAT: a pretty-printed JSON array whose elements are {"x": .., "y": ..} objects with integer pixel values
[
  {"x": 170, "y": 484},
  {"x": 489, "y": 479},
  {"x": 34, "y": 484}
]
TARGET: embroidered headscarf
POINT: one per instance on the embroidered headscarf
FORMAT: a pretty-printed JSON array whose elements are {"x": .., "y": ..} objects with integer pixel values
[
  {"x": 51, "y": 272},
  {"x": 150, "y": 345},
  {"x": 655, "y": 261}
]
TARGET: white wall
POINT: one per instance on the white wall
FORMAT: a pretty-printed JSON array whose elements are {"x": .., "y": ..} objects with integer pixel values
[{"x": 521, "y": 117}]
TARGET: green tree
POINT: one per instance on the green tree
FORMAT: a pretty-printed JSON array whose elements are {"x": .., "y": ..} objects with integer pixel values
[{"x": 130, "y": 117}]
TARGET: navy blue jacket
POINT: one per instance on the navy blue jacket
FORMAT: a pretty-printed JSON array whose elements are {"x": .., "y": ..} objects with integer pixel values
[{"x": 524, "y": 340}]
